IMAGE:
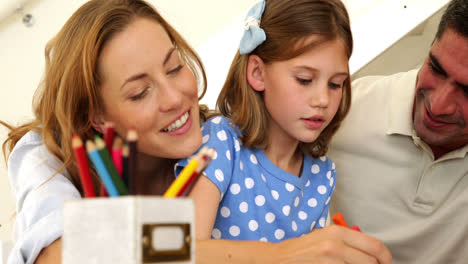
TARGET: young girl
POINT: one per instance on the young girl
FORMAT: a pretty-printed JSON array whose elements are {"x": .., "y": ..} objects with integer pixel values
[
  {"x": 285, "y": 95},
  {"x": 114, "y": 60}
]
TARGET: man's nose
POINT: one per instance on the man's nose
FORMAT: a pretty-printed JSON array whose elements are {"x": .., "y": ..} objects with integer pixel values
[{"x": 442, "y": 100}]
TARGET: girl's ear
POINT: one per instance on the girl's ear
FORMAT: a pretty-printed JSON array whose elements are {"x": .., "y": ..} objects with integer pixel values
[
  {"x": 98, "y": 123},
  {"x": 255, "y": 67}
]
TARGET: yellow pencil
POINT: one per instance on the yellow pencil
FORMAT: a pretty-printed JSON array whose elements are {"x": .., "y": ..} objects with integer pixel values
[{"x": 184, "y": 176}]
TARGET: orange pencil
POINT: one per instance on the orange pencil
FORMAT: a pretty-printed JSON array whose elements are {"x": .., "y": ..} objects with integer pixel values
[
  {"x": 83, "y": 167},
  {"x": 338, "y": 219}
]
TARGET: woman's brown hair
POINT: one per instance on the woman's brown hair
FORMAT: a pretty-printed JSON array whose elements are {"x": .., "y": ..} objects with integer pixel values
[
  {"x": 286, "y": 24},
  {"x": 69, "y": 93}
]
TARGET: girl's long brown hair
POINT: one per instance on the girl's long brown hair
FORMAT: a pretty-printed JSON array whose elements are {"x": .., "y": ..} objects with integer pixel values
[
  {"x": 286, "y": 23},
  {"x": 69, "y": 93}
]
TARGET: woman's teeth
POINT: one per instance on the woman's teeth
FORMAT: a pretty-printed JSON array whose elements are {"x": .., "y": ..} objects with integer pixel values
[{"x": 178, "y": 123}]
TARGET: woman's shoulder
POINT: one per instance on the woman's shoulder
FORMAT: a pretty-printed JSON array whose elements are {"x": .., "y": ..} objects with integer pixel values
[
  {"x": 32, "y": 160},
  {"x": 30, "y": 143}
]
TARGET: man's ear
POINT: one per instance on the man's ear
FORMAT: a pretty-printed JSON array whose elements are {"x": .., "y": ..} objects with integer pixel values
[
  {"x": 255, "y": 67},
  {"x": 98, "y": 123}
]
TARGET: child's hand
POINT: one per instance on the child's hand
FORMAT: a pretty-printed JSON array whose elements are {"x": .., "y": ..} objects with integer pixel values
[{"x": 335, "y": 244}]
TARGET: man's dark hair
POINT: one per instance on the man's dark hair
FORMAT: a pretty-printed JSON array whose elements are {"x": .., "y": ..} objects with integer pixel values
[{"x": 455, "y": 17}]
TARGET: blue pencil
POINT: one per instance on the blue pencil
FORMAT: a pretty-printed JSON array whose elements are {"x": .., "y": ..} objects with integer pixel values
[{"x": 101, "y": 168}]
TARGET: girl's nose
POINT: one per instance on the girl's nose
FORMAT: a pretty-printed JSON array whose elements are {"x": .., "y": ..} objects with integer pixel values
[{"x": 320, "y": 97}]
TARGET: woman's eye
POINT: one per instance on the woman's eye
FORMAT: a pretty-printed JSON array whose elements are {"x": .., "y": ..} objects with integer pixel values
[
  {"x": 139, "y": 95},
  {"x": 302, "y": 81},
  {"x": 176, "y": 69}
]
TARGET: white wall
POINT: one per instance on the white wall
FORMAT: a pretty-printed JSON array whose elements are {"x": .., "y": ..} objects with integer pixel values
[{"x": 382, "y": 30}]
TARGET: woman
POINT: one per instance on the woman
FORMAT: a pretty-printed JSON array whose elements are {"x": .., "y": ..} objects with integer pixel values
[{"x": 116, "y": 61}]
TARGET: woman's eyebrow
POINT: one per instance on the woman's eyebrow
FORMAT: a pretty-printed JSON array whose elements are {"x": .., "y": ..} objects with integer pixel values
[
  {"x": 139, "y": 76},
  {"x": 168, "y": 55}
]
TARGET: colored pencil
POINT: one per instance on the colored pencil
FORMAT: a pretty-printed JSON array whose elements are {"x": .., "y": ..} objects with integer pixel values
[
  {"x": 125, "y": 152},
  {"x": 101, "y": 168},
  {"x": 117, "y": 155},
  {"x": 338, "y": 219},
  {"x": 106, "y": 158},
  {"x": 205, "y": 156},
  {"x": 183, "y": 177},
  {"x": 102, "y": 191},
  {"x": 132, "y": 138},
  {"x": 184, "y": 188},
  {"x": 82, "y": 162},
  {"x": 109, "y": 135}
]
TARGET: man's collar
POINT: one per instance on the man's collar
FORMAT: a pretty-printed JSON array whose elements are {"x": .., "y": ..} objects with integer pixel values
[{"x": 400, "y": 112}]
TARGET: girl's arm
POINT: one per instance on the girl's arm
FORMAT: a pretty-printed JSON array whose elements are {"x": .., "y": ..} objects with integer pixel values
[
  {"x": 206, "y": 197},
  {"x": 333, "y": 244}
]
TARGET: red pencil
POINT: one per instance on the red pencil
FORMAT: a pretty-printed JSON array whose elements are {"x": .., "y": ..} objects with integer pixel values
[
  {"x": 109, "y": 135},
  {"x": 83, "y": 168},
  {"x": 102, "y": 191},
  {"x": 117, "y": 155}
]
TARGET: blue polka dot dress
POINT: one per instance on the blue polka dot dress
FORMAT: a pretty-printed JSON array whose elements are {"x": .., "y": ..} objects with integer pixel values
[{"x": 259, "y": 200}]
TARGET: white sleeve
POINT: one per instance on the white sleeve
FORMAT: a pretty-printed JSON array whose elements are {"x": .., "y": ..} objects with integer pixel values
[{"x": 39, "y": 194}]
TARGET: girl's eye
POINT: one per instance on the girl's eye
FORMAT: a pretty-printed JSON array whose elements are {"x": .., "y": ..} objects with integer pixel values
[
  {"x": 140, "y": 95},
  {"x": 302, "y": 81},
  {"x": 176, "y": 69},
  {"x": 334, "y": 85}
]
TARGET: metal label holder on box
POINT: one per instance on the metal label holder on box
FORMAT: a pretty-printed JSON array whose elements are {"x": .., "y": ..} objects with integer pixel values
[{"x": 129, "y": 229}]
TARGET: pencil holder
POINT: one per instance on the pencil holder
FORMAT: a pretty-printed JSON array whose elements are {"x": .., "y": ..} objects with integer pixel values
[{"x": 128, "y": 229}]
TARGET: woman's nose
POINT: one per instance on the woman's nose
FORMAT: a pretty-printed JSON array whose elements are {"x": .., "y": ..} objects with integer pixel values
[{"x": 169, "y": 98}]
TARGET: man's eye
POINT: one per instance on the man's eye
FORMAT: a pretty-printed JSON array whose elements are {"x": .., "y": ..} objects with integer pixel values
[{"x": 435, "y": 69}]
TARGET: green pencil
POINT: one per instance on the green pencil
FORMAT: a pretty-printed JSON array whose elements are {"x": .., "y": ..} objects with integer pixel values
[{"x": 106, "y": 158}]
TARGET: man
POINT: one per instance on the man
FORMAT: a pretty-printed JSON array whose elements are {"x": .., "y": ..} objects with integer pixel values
[{"x": 401, "y": 154}]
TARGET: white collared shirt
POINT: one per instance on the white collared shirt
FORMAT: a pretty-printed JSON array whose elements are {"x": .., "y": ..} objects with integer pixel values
[
  {"x": 389, "y": 183},
  {"x": 39, "y": 194}
]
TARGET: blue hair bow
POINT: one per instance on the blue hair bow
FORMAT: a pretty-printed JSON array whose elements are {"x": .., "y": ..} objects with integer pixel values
[{"x": 253, "y": 35}]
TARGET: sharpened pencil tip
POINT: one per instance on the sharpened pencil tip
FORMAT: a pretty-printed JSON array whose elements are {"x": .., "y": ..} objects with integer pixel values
[{"x": 132, "y": 135}]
